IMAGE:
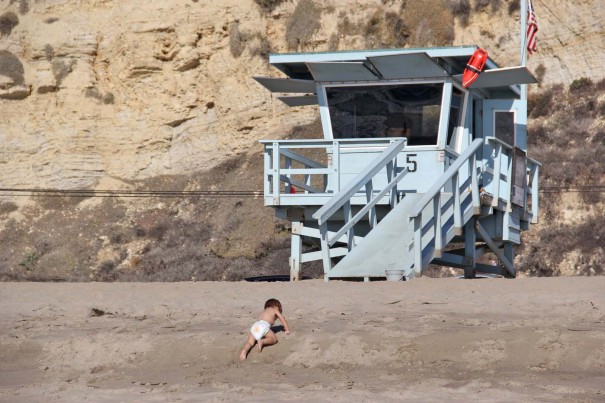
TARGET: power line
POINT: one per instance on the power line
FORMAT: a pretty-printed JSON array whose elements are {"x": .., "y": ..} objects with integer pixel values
[
  {"x": 573, "y": 31},
  {"x": 84, "y": 193}
]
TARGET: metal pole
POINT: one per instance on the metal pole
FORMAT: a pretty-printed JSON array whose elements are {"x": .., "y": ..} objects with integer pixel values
[{"x": 523, "y": 44}]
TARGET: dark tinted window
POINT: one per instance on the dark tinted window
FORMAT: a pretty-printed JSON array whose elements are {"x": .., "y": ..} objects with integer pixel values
[{"x": 411, "y": 111}]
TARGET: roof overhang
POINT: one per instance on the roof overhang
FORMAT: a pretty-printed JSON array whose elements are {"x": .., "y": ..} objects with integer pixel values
[{"x": 305, "y": 70}]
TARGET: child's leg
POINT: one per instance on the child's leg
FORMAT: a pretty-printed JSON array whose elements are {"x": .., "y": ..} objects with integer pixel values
[
  {"x": 247, "y": 346},
  {"x": 269, "y": 339}
]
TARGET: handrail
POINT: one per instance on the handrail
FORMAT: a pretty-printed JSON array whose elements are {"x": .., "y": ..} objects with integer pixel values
[
  {"x": 491, "y": 139},
  {"x": 355, "y": 219},
  {"x": 319, "y": 142},
  {"x": 446, "y": 177},
  {"x": 340, "y": 198},
  {"x": 303, "y": 160},
  {"x": 533, "y": 161}
]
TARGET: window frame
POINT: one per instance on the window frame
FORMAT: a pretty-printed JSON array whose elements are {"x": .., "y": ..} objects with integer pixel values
[{"x": 443, "y": 115}]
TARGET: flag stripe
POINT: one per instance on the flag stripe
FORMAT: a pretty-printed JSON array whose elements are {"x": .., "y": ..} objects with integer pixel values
[{"x": 532, "y": 29}]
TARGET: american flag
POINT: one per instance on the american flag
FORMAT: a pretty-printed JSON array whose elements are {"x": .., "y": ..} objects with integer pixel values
[{"x": 532, "y": 28}]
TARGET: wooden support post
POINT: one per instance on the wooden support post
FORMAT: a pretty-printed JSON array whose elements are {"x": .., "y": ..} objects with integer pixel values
[
  {"x": 508, "y": 264},
  {"x": 295, "y": 254},
  {"x": 325, "y": 249},
  {"x": 470, "y": 239},
  {"x": 509, "y": 253}
]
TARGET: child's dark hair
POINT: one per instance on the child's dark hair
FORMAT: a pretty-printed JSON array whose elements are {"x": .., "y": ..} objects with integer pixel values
[{"x": 273, "y": 302}]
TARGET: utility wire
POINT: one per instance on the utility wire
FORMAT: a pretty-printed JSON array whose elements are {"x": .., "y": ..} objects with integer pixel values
[
  {"x": 217, "y": 193},
  {"x": 573, "y": 31},
  {"x": 130, "y": 193}
]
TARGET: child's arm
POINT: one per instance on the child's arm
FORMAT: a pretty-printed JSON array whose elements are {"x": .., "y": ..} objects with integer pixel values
[{"x": 283, "y": 321}]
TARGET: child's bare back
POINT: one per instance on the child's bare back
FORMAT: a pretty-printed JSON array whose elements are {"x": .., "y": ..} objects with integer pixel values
[{"x": 261, "y": 330}]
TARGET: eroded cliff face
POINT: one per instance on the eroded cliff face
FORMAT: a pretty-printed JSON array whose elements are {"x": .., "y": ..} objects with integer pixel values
[
  {"x": 102, "y": 88},
  {"x": 114, "y": 88}
]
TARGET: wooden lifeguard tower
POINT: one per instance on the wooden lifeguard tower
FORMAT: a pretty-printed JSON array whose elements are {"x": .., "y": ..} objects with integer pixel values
[{"x": 410, "y": 161}]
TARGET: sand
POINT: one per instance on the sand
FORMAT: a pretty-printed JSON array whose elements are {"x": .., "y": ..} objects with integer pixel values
[{"x": 531, "y": 339}]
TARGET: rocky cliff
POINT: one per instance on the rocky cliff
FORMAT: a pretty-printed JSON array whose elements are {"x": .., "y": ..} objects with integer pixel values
[{"x": 102, "y": 88}]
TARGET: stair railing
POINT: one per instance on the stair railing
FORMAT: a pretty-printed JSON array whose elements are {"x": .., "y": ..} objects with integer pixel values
[
  {"x": 503, "y": 172},
  {"x": 464, "y": 166},
  {"x": 387, "y": 159}
]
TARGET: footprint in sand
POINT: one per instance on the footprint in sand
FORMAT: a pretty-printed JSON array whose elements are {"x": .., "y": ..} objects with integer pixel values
[{"x": 485, "y": 353}]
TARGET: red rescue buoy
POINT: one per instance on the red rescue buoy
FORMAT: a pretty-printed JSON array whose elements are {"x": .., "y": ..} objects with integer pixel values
[{"x": 474, "y": 67}]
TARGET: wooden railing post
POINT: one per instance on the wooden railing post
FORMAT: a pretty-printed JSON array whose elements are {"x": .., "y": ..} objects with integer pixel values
[
  {"x": 437, "y": 222},
  {"x": 267, "y": 173},
  {"x": 336, "y": 165},
  {"x": 288, "y": 165},
  {"x": 496, "y": 176},
  {"x": 325, "y": 249},
  {"x": 475, "y": 185},
  {"x": 276, "y": 175},
  {"x": 348, "y": 215},
  {"x": 372, "y": 219},
  {"x": 534, "y": 195},
  {"x": 418, "y": 245},
  {"x": 457, "y": 207}
]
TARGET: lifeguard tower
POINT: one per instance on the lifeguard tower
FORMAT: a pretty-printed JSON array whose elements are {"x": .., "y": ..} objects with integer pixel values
[{"x": 410, "y": 162}]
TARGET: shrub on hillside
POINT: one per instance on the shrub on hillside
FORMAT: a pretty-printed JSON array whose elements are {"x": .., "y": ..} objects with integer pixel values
[
  {"x": 541, "y": 103},
  {"x": 8, "y": 21},
  {"x": 11, "y": 66},
  {"x": 483, "y": 4},
  {"x": 462, "y": 10},
  {"x": 302, "y": 24},
  {"x": 236, "y": 44},
  {"x": 61, "y": 69},
  {"x": 344, "y": 25},
  {"x": 7, "y": 208},
  {"x": 430, "y": 23},
  {"x": 23, "y": 7},
  {"x": 268, "y": 5},
  {"x": 581, "y": 86}
]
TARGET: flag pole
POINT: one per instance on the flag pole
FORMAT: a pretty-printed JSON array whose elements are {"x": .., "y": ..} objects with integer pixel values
[{"x": 523, "y": 43}]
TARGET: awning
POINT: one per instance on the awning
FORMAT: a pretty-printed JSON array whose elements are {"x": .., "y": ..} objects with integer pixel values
[
  {"x": 503, "y": 77},
  {"x": 412, "y": 65},
  {"x": 287, "y": 85},
  {"x": 299, "y": 100},
  {"x": 341, "y": 71}
]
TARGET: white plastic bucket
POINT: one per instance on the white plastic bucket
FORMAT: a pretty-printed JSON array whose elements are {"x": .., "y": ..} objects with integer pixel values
[{"x": 394, "y": 275}]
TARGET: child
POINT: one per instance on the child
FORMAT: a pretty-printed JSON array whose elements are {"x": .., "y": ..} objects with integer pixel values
[{"x": 261, "y": 331}]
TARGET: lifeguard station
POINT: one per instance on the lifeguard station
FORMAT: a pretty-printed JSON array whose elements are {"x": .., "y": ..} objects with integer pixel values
[{"x": 410, "y": 162}]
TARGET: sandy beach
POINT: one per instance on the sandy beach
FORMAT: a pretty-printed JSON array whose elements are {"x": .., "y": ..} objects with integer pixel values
[{"x": 531, "y": 339}]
